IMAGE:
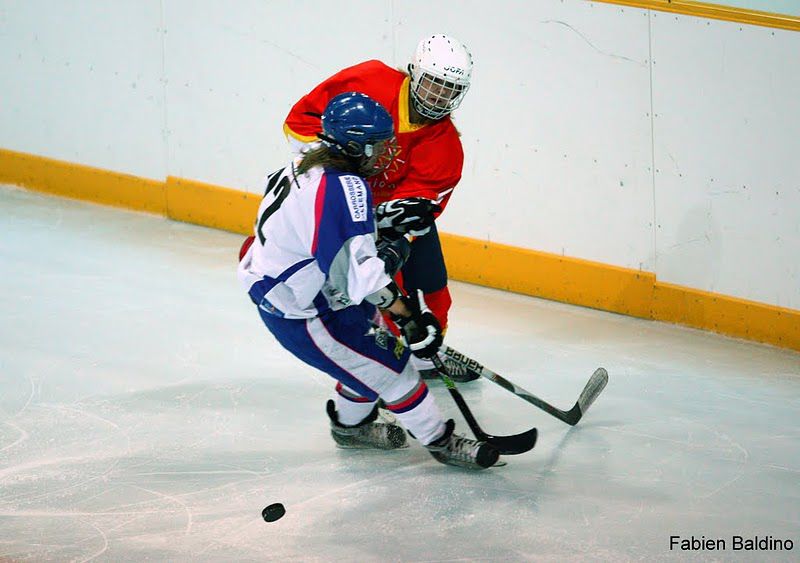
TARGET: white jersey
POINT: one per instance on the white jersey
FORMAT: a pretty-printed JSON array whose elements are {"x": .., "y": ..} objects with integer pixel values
[{"x": 314, "y": 247}]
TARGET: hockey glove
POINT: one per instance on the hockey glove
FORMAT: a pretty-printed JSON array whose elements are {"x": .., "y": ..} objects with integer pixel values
[
  {"x": 394, "y": 253},
  {"x": 421, "y": 332},
  {"x": 413, "y": 215}
]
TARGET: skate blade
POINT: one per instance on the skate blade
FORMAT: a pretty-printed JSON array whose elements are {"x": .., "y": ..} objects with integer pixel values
[{"x": 360, "y": 447}]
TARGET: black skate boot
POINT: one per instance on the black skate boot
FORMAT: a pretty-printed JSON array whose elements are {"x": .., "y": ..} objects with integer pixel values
[
  {"x": 454, "y": 449},
  {"x": 458, "y": 372},
  {"x": 368, "y": 434}
]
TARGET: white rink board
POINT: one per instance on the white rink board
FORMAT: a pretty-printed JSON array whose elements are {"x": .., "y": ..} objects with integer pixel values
[
  {"x": 727, "y": 175},
  {"x": 82, "y": 82},
  {"x": 559, "y": 127},
  {"x": 791, "y": 7},
  {"x": 555, "y": 128},
  {"x": 235, "y": 73}
]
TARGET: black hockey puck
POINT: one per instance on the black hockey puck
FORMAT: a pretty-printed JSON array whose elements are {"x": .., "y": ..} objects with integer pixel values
[{"x": 273, "y": 512}]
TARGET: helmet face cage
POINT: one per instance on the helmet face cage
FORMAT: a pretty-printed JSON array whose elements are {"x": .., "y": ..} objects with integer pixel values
[
  {"x": 434, "y": 97},
  {"x": 440, "y": 76}
]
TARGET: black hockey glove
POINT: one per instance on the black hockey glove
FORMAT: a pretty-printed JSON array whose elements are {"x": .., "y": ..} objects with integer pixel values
[
  {"x": 413, "y": 215},
  {"x": 394, "y": 253},
  {"x": 421, "y": 332}
]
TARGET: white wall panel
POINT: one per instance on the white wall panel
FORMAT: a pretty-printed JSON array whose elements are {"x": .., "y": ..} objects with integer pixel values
[
  {"x": 727, "y": 173},
  {"x": 555, "y": 127},
  {"x": 81, "y": 81},
  {"x": 791, "y": 7},
  {"x": 562, "y": 152},
  {"x": 235, "y": 69}
]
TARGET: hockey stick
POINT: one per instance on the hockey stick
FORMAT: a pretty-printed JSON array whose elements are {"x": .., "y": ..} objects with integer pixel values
[
  {"x": 506, "y": 445},
  {"x": 593, "y": 387}
]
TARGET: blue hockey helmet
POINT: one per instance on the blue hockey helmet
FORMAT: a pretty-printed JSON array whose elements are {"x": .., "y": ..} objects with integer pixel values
[{"x": 360, "y": 129}]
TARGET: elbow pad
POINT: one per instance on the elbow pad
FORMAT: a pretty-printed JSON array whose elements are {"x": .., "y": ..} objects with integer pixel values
[{"x": 384, "y": 297}]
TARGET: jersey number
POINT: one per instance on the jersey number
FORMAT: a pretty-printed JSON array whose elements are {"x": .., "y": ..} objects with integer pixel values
[{"x": 278, "y": 185}]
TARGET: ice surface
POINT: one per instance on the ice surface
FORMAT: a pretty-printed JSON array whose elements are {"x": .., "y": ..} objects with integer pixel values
[{"x": 146, "y": 413}]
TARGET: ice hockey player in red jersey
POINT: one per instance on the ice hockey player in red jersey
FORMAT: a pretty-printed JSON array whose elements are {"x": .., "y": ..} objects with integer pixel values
[{"x": 417, "y": 186}]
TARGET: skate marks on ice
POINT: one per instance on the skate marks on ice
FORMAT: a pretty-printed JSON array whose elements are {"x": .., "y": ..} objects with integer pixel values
[
  {"x": 119, "y": 444},
  {"x": 99, "y": 479},
  {"x": 96, "y": 470}
]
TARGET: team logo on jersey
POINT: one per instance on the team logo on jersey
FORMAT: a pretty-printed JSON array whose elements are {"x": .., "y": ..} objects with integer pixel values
[
  {"x": 337, "y": 299},
  {"x": 380, "y": 184},
  {"x": 399, "y": 348},
  {"x": 381, "y": 336},
  {"x": 355, "y": 192}
]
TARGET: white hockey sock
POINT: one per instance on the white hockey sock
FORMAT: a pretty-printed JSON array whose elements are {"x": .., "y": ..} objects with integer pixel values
[
  {"x": 351, "y": 413},
  {"x": 424, "y": 421},
  {"x": 420, "y": 417}
]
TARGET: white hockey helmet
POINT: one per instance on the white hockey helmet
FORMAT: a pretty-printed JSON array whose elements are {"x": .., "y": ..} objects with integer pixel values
[{"x": 440, "y": 73}]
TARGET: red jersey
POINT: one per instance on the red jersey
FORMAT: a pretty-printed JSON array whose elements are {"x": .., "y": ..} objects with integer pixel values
[{"x": 429, "y": 157}]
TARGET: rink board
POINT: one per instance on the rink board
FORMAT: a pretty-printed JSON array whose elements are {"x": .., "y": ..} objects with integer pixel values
[{"x": 539, "y": 274}]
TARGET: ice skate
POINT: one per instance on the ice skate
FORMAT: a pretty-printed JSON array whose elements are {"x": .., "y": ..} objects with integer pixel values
[
  {"x": 454, "y": 449},
  {"x": 368, "y": 434}
]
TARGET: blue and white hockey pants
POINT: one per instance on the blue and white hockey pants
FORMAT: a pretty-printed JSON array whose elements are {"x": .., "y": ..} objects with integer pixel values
[{"x": 367, "y": 362}]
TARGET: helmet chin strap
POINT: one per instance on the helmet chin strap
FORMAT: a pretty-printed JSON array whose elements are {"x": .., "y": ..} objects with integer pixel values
[
  {"x": 356, "y": 162},
  {"x": 332, "y": 142}
]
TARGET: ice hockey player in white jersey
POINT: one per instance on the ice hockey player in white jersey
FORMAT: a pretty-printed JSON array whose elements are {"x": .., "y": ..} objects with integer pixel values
[{"x": 317, "y": 277}]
